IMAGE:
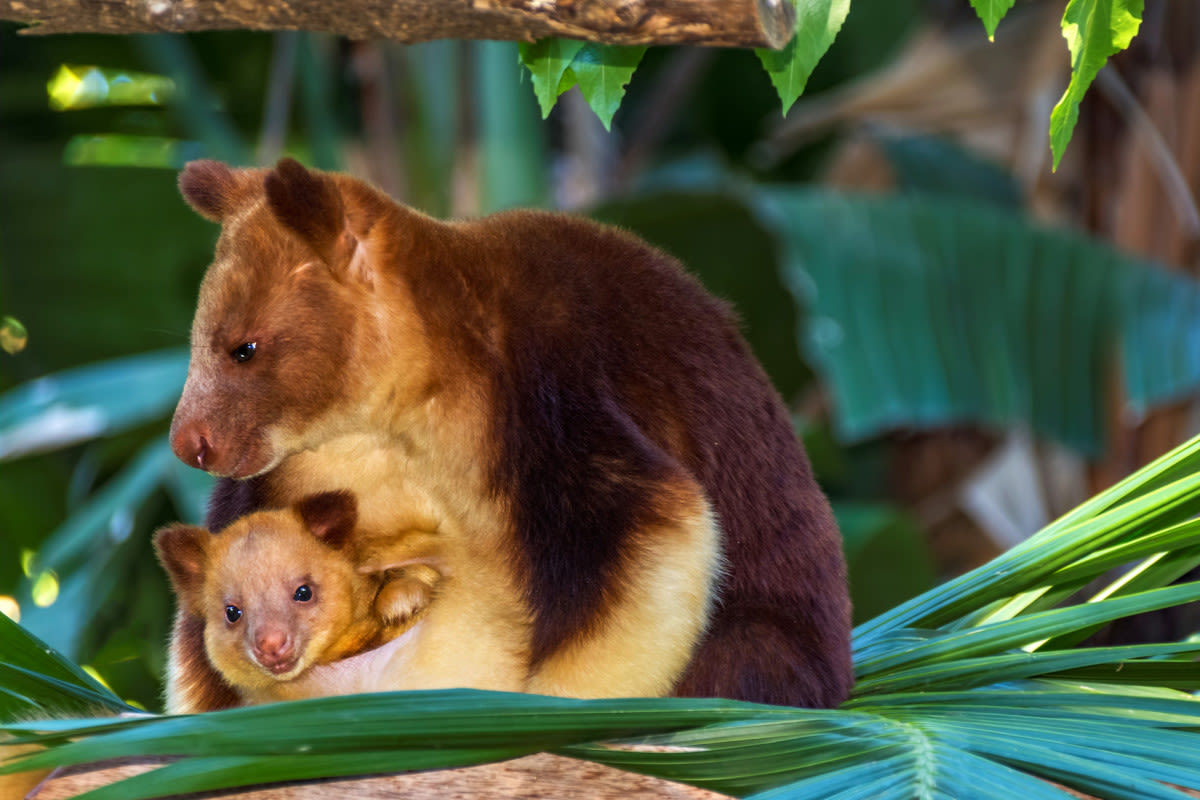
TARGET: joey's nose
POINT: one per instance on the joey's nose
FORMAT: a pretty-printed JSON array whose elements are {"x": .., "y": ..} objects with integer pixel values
[
  {"x": 273, "y": 648},
  {"x": 191, "y": 445}
]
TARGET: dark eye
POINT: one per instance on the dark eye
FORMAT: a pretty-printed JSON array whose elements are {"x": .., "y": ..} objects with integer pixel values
[
  {"x": 243, "y": 352},
  {"x": 233, "y": 613},
  {"x": 303, "y": 594}
]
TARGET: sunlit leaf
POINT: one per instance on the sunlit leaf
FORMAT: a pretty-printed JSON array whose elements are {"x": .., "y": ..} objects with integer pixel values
[
  {"x": 1094, "y": 30},
  {"x": 123, "y": 150},
  {"x": 991, "y": 12},
  {"x": 76, "y": 87},
  {"x": 13, "y": 336},
  {"x": 602, "y": 72},
  {"x": 817, "y": 25},
  {"x": 547, "y": 61}
]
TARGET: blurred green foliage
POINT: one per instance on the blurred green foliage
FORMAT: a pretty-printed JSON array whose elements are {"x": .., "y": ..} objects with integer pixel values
[{"x": 101, "y": 263}]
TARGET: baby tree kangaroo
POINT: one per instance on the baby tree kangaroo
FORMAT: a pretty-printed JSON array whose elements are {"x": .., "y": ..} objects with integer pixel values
[
  {"x": 279, "y": 593},
  {"x": 612, "y": 481}
]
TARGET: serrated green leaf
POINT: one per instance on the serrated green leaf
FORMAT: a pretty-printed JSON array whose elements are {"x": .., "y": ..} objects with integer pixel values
[
  {"x": 1094, "y": 30},
  {"x": 603, "y": 72},
  {"x": 817, "y": 25},
  {"x": 548, "y": 61},
  {"x": 991, "y": 12}
]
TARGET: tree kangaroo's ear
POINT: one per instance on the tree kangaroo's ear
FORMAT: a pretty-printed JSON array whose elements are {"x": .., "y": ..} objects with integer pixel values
[
  {"x": 183, "y": 552},
  {"x": 310, "y": 204},
  {"x": 211, "y": 188},
  {"x": 330, "y": 516}
]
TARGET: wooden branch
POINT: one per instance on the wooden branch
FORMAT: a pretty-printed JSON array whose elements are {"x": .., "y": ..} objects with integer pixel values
[
  {"x": 540, "y": 775},
  {"x": 730, "y": 23}
]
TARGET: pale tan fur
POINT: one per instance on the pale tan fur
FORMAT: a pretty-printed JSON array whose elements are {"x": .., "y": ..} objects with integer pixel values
[{"x": 476, "y": 632}]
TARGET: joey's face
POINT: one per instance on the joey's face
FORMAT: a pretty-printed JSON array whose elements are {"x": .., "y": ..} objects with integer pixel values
[
  {"x": 274, "y": 604},
  {"x": 273, "y": 352}
]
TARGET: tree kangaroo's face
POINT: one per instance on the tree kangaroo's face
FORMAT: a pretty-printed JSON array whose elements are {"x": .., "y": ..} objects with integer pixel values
[
  {"x": 274, "y": 601},
  {"x": 274, "y": 334}
]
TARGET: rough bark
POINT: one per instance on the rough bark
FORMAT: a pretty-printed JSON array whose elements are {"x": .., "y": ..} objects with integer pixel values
[{"x": 732, "y": 23}]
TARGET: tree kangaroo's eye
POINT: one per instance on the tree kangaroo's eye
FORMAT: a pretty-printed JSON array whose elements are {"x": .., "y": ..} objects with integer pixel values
[
  {"x": 244, "y": 352},
  {"x": 233, "y": 613},
  {"x": 303, "y": 594}
]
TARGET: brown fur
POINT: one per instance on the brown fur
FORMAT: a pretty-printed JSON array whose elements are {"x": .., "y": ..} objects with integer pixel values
[
  {"x": 610, "y": 476},
  {"x": 258, "y": 566}
]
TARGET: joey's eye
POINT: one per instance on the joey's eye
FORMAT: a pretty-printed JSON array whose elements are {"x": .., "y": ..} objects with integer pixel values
[
  {"x": 303, "y": 594},
  {"x": 243, "y": 352},
  {"x": 233, "y": 613}
]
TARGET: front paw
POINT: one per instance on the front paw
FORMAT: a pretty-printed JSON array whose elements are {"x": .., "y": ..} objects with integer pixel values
[{"x": 405, "y": 593}]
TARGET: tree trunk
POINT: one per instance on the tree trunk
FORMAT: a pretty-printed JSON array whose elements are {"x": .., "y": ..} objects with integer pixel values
[{"x": 732, "y": 23}]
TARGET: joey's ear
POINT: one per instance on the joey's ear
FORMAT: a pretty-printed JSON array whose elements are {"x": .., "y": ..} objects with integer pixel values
[
  {"x": 330, "y": 516},
  {"x": 310, "y": 204},
  {"x": 210, "y": 188},
  {"x": 183, "y": 552}
]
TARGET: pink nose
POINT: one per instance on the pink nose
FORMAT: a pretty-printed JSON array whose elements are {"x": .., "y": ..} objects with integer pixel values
[
  {"x": 272, "y": 647},
  {"x": 190, "y": 442}
]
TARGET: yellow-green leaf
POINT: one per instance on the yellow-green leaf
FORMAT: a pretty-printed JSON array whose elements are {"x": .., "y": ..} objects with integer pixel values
[
  {"x": 603, "y": 73},
  {"x": 1094, "y": 30},
  {"x": 548, "y": 61},
  {"x": 817, "y": 25},
  {"x": 991, "y": 12}
]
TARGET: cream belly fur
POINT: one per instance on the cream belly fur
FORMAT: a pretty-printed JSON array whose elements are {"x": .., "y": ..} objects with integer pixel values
[
  {"x": 476, "y": 632},
  {"x": 646, "y": 640}
]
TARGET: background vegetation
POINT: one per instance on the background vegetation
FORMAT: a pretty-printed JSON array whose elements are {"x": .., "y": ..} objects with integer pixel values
[{"x": 972, "y": 343}]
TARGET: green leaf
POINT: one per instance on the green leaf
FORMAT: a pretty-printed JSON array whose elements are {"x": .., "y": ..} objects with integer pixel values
[
  {"x": 602, "y": 73},
  {"x": 83, "y": 403},
  {"x": 1094, "y": 30},
  {"x": 991, "y": 12},
  {"x": 33, "y": 678},
  {"x": 547, "y": 61},
  {"x": 928, "y": 311},
  {"x": 817, "y": 25},
  {"x": 89, "y": 548}
]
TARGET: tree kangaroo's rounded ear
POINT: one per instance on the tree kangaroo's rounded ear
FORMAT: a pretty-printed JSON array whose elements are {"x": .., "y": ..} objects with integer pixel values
[
  {"x": 183, "y": 552},
  {"x": 330, "y": 516},
  {"x": 310, "y": 204},
  {"x": 210, "y": 188}
]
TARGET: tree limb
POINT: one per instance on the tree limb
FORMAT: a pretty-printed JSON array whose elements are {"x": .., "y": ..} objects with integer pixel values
[{"x": 730, "y": 23}]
